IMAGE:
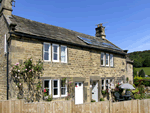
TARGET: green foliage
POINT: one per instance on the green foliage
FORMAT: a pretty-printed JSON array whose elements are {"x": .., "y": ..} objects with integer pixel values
[
  {"x": 137, "y": 96},
  {"x": 28, "y": 73},
  {"x": 49, "y": 98},
  {"x": 134, "y": 72},
  {"x": 127, "y": 79},
  {"x": 141, "y": 58},
  {"x": 146, "y": 62},
  {"x": 141, "y": 73},
  {"x": 93, "y": 100},
  {"x": 146, "y": 70},
  {"x": 104, "y": 92},
  {"x": 102, "y": 99}
]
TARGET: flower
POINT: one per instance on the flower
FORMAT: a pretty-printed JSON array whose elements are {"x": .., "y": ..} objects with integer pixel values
[
  {"x": 26, "y": 69},
  {"x": 118, "y": 83},
  {"x": 69, "y": 82},
  {"x": 68, "y": 94},
  {"x": 16, "y": 86},
  {"x": 30, "y": 70},
  {"x": 18, "y": 77},
  {"x": 31, "y": 59},
  {"x": 17, "y": 64},
  {"x": 18, "y": 70},
  {"x": 44, "y": 90},
  {"x": 20, "y": 84}
]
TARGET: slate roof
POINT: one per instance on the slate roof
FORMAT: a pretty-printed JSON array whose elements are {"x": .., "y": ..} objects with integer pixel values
[
  {"x": 53, "y": 32},
  {"x": 129, "y": 60}
]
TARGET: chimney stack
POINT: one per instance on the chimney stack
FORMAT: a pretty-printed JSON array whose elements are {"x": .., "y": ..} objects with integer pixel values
[
  {"x": 6, "y": 7},
  {"x": 100, "y": 31}
]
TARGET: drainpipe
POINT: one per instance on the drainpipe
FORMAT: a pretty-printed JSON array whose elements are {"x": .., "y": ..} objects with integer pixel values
[{"x": 7, "y": 71}]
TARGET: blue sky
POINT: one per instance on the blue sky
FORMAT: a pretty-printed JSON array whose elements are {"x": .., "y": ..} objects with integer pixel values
[{"x": 128, "y": 21}]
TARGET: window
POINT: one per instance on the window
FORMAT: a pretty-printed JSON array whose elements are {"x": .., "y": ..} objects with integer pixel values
[
  {"x": 107, "y": 83},
  {"x": 46, "y": 52},
  {"x": 56, "y": 88},
  {"x": 111, "y": 60},
  {"x": 102, "y": 59},
  {"x": 103, "y": 84},
  {"x": 64, "y": 54},
  {"x": 107, "y": 59},
  {"x": 63, "y": 88},
  {"x": 55, "y": 52},
  {"x": 5, "y": 44},
  {"x": 47, "y": 86}
]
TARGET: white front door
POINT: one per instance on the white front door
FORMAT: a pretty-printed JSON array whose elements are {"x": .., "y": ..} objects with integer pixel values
[
  {"x": 95, "y": 91},
  {"x": 78, "y": 93}
]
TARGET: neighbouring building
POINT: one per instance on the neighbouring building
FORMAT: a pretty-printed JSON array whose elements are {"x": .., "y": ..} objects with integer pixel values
[{"x": 93, "y": 63}]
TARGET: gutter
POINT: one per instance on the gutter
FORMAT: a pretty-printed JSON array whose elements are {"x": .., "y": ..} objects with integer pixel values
[{"x": 62, "y": 42}]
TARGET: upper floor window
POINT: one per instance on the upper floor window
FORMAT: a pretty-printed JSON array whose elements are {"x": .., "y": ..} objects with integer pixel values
[
  {"x": 111, "y": 60},
  {"x": 102, "y": 59},
  {"x": 64, "y": 54},
  {"x": 55, "y": 53},
  {"x": 46, "y": 52},
  {"x": 107, "y": 59}
]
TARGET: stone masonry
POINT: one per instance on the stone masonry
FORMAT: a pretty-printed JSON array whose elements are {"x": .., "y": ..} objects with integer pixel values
[{"x": 82, "y": 62}]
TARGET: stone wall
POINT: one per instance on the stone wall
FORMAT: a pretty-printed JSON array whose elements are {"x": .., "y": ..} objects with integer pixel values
[
  {"x": 3, "y": 62},
  {"x": 130, "y": 72},
  {"x": 82, "y": 62}
]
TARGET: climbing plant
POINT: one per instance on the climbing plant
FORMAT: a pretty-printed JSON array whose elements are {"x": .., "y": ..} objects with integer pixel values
[{"x": 28, "y": 74}]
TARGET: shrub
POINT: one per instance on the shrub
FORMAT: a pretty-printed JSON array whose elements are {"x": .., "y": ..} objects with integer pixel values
[
  {"x": 102, "y": 99},
  {"x": 141, "y": 73},
  {"x": 93, "y": 100},
  {"x": 137, "y": 96},
  {"x": 104, "y": 92}
]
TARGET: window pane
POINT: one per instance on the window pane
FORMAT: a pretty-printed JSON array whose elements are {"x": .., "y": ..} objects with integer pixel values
[
  {"x": 46, "y": 56},
  {"x": 46, "y": 84},
  {"x": 102, "y": 82},
  {"x": 55, "y": 56},
  {"x": 55, "y": 83},
  {"x": 62, "y": 83},
  {"x": 46, "y": 47},
  {"x": 106, "y": 81},
  {"x": 106, "y": 62},
  {"x": 63, "y": 91},
  {"x": 63, "y": 58},
  {"x": 102, "y": 56},
  {"x": 101, "y": 62},
  {"x": 55, "y": 48},
  {"x": 79, "y": 84},
  {"x": 55, "y": 91}
]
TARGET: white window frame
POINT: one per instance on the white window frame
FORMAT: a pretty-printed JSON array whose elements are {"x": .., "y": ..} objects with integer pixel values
[
  {"x": 49, "y": 51},
  {"x": 107, "y": 59},
  {"x": 65, "y": 90},
  {"x": 5, "y": 44},
  {"x": 49, "y": 85},
  {"x": 103, "y": 58},
  {"x": 53, "y": 53},
  {"x": 112, "y": 62},
  {"x": 65, "y": 54},
  {"x": 58, "y": 84}
]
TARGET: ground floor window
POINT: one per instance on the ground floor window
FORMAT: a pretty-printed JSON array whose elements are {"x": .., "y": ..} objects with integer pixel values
[
  {"x": 56, "y": 87},
  {"x": 107, "y": 83}
]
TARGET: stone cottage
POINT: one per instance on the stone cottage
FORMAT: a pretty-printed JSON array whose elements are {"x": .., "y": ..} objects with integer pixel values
[{"x": 93, "y": 63}]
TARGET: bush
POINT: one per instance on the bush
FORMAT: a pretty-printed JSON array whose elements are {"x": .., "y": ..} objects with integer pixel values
[
  {"x": 137, "y": 96},
  {"x": 93, "y": 100},
  {"x": 101, "y": 99},
  {"x": 141, "y": 73},
  {"x": 104, "y": 92}
]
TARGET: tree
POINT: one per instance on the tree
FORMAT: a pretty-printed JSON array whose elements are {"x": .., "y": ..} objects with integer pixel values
[
  {"x": 141, "y": 73},
  {"x": 137, "y": 63},
  {"x": 146, "y": 62},
  {"x": 134, "y": 72}
]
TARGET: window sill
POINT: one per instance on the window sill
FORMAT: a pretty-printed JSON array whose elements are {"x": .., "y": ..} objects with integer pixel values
[{"x": 63, "y": 95}]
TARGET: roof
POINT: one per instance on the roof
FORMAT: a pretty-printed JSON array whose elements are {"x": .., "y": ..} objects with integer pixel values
[
  {"x": 129, "y": 60},
  {"x": 57, "y": 33}
]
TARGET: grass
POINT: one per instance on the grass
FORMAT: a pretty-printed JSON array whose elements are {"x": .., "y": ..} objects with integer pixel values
[{"x": 146, "y": 70}]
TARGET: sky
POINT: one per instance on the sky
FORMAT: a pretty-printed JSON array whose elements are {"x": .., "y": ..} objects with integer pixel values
[{"x": 127, "y": 22}]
